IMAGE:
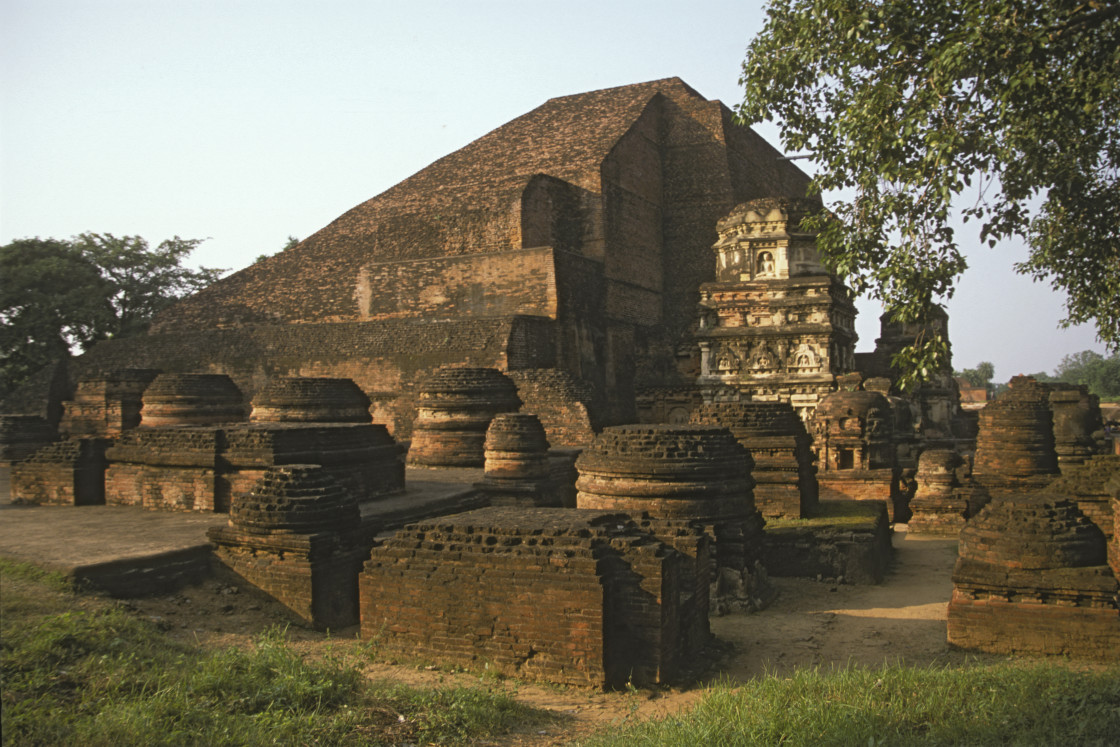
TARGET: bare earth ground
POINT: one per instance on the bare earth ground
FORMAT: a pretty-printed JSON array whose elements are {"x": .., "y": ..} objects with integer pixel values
[{"x": 811, "y": 623}]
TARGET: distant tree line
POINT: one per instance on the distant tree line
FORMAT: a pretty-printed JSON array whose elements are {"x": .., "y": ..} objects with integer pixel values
[
  {"x": 58, "y": 296},
  {"x": 1100, "y": 374}
]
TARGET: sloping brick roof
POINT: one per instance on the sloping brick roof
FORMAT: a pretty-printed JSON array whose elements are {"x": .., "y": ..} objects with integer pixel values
[{"x": 466, "y": 202}]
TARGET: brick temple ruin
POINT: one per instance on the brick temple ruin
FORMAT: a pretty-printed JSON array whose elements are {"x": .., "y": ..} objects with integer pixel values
[{"x": 605, "y": 326}]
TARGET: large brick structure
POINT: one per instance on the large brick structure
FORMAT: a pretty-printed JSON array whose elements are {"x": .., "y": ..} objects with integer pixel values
[
  {"x": 572, "y": 238},
  {"x": 566, "y": 596}
]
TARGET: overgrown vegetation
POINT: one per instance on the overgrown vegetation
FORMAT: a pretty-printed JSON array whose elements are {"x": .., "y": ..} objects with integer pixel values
[
  {"x": 78, "y": 670},
  {"x": 1100, "y": 374},
  {"x": 896, "y": 705}
]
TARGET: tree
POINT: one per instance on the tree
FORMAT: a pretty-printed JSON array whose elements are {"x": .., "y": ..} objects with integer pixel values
[
  {"x": 909, "y": 104},
  {"x": 1100, "y": 374},
  {"x": 979, "y": 376},
  {"x": 57, "y": 296}
]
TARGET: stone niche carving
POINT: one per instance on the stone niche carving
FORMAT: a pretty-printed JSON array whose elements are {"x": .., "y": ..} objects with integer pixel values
[
  {"x": 1032, "y": 578},
  {"x": 298, "y": 537},
  {"x": 301, "y": 399},
  {"x": 454, "y": 409},
  {"x": 696, "y": 473},
  {"x": 853, "y": 437},
  {"x": 774, "y": 325},
  {"x": 784, "y": 476},
  {"x": 192, "y": 399},
  {"x": 576, "y": 597}
]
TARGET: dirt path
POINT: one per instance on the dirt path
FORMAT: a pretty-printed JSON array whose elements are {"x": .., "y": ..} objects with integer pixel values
[{"x": 811, "y": 623}]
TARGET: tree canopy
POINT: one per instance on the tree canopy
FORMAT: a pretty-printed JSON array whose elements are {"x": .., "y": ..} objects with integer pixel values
[
  {"x": 1100, "y": 374},
  {"x": 56, "y": 296},
  {"x": 1005, "y": 112},
  {"x": 979, "y": 376}
]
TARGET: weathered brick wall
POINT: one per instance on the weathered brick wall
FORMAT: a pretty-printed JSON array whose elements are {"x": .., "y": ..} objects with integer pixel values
[
  {"x": 64, "y": 473},
  {"x": 564, "y": 404},
  {"x": 490, "y": 586},
  {"x": 992, "y": 623},
  {"x": 167, "y": 468},
  {"x": 315, "y": 576},
  {"x": 505, "y": 284}
]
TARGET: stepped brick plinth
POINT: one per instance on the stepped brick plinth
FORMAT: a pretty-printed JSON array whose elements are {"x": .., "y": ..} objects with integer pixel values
[
  {"x": 192, "y": 399},
  {"x": 1032, "y": 577},
  {"x": 454, "y": 409},
  {"x": 23, "y": 435},
  {"x": 573, "y": 597},
  {"x": 63, "y": 473},
  {"x": 303, "y": 399},
  {"x": 1077, "y": 424},
  {"x": 784, "y": 476},
  {"x": 517, "y": 468},
  {"x": 943, "y": 501},
  {"x": 696, "y": 473},
  {"x": 200, "y": 468},
  {"x": 856, "y": 460},
  {"x": 1015, "y": 444},
  {"x": 298, "y": 537},
  {"x": 1092, "y": 484},
  {"x": 106, "y": 406}
]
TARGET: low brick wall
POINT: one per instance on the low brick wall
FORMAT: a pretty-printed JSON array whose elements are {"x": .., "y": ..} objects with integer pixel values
[
  {"x": 566, "y": 596},
  {"x": 849, "y": 540}
]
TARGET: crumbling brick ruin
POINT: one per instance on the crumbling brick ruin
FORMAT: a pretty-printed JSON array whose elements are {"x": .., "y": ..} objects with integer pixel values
[
  {"x": 1032, "y": 578},
  {"x": 620, "y": 256},
  {"x": 454, "y": 409},
  {"x": 785, "y": 479},
  {"x": 490, "y": 587},
  {"x": 298, "y": 536},
  {"x": 694, "y": 473},
  {"x": 945, "y": 497}
]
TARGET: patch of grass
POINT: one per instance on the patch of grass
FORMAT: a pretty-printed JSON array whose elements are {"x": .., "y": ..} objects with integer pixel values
[
  {"x": 1004, "y": 704},
  {"x": 79, "y": 670}
]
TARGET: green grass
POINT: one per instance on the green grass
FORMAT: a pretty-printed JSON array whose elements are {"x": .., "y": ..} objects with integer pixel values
[
  {"x": 77, "y": 670},
  {"x": 1018, "y": 704}
]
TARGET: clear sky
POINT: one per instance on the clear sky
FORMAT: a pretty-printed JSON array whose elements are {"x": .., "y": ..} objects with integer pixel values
[{"x": 246, "y": 121}]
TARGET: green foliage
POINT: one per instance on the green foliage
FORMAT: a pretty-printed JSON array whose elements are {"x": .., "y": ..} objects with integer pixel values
[
  {"x": 912, "y": 103},
  {"x": 56, "y": 296},
  {"x": 1100, "y": 374},
  {"x": 79, "y": 671},
  {"x": 1008, "y": 704},
  {"x": 981, "y": 376}
]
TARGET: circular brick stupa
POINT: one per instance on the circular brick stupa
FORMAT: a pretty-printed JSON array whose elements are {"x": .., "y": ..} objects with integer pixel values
[
  {"x": 1015, "y": 445},
  {"x": 697, "y": 473},
  {"x": 296, "y": 498},
  {"x": 784, "y": 475},
  {"x": 516, "y": 448},
  {"x": 301, "y": 399},
  {"x": 454, "y": 409},
  {"x": 1032, "y": 578},
  {"x": 942, "y": 504},
  {"x": 192, "y": 399}
]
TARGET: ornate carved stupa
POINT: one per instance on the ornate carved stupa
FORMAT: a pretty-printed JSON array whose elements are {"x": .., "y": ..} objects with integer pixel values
[{"x": 774, "y": 326}]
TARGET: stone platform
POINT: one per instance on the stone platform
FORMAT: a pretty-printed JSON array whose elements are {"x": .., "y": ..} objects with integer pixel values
[
  {"x": 848, "y": 540},
  {"x": 131, "y": 551}
]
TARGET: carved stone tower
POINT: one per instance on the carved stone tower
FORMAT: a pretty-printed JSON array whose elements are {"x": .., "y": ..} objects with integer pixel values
[{"x": 775, "y": 325}]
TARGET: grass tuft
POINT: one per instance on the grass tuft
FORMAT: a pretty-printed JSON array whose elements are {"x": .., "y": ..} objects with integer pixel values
[
  {"x": 79, "y": 670},
  {"x": 897, "y": 705}
]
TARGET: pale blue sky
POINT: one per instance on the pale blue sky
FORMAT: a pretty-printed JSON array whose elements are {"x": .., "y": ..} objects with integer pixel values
[{"x": 246, "y": 121}]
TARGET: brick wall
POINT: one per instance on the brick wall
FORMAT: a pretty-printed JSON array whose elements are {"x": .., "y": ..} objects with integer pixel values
[{"x": 490, "y": 586}]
